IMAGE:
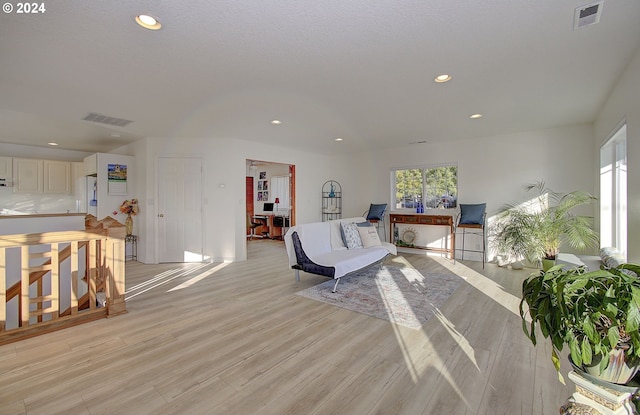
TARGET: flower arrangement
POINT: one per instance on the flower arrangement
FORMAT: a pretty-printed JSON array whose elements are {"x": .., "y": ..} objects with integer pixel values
[{"x": 130, "y": 207}]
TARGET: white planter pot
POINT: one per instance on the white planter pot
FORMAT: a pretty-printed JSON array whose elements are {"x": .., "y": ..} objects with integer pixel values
[{"x": 618, "y": 371}]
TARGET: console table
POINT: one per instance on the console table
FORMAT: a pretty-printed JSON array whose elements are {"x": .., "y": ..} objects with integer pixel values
[{"x": 425, "y": 219}]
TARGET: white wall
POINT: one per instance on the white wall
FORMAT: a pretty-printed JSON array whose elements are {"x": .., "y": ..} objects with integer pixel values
[
  {"x": 493, "y": 170},
  {"x": 224, "y": 162},
  {"x": 270, "y": 170},
  {"x": 624, "y": 104}
]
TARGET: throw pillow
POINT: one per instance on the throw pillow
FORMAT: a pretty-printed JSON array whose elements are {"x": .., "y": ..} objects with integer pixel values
[
  {"x": 351, "y": 235},
  {"x": 376, "y": 211},
  {"x": 369, "y": 236},
  {"x": 611, "y": 257},
  {"x": 472, "y": 214}
]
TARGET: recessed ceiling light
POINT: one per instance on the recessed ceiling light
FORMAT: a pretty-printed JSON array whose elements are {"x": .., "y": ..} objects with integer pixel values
[
  {"x": 442, "y": 78},
  {"x": 52, "y": 143},
  {"x": 475, "y": 116},
  {"x": 338, "y": 139},
  {"x": 276, "y": 122},
  {"x": 148, "y": 22}
]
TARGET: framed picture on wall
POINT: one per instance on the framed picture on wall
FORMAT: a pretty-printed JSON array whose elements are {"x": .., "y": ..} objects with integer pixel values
[
  {"x": 263, "y": 175},
  {"x": 117, "y": 179}
]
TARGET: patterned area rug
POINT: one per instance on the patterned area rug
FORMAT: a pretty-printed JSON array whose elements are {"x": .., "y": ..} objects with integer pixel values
[{"x": 396, "y": 292}]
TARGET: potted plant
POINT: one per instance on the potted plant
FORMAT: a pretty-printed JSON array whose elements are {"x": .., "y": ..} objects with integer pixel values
[
  {"x": 535, "y": 229},
  {"x": 596, "y": 314}
]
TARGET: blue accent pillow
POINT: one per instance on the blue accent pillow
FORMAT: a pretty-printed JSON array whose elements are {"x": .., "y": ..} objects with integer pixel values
[
  {"x": 376, "y": 211},
  {"x": 472, "y": 214}
]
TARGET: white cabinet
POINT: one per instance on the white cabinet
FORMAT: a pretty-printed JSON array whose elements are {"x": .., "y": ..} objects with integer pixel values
[
  {"x": 27, "y": 175},
  {"x": 91, "y": 165},
  {"x": 6, "y": 167},
  {"x": 6, "y": 171},
  {"x": 41, "y": 176},
  {"x": 57, "y": 177}
]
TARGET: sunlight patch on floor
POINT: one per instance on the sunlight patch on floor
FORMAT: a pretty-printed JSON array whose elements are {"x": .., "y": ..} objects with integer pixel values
[
  {"x": 483, "y": 284},
  {"x": 388, "y": 306},
  {"x": 415, "y": 360},
  {"x": 161, "y": 279},
  {"x": 463, "y": 343},
  {"x": 200, "y": 277}
]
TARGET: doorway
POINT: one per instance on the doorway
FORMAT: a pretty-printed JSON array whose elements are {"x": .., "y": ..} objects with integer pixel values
[{"x": 270, "y": 198}]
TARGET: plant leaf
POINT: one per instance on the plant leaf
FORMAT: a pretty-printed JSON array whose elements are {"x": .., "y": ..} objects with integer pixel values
[
  {"x": 556, "y": 363},
  {"x": 633, "y": 318},
  {"x": 576, "y": 353},
  {"x": 614, "y": 336},
  {"x": 589, "y": 329},
  {"x": 587, "y": 353}
]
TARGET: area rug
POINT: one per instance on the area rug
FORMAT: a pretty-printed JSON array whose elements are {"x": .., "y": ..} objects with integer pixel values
[{"x": 396, "y": 292}]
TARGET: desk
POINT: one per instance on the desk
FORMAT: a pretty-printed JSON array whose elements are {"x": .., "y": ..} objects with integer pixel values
[
  {"x": 272, "y": 225},
  {"x": 424, "y": 219}
]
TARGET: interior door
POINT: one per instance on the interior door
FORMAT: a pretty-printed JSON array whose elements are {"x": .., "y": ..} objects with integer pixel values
[{"x": 180, "y": 237}]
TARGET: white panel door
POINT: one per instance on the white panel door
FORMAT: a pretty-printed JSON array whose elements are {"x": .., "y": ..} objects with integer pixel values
[{"x": 180, "y": 210}]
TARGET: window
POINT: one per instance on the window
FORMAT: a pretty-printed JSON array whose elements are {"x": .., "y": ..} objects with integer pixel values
[
  {"x": 613, "y": 191},
  {"x": 433, "y": 186},
  {"x": 280, "y": 190}
]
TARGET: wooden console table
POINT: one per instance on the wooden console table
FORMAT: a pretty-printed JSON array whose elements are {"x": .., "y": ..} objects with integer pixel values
[{"x": 426, "y": 219}]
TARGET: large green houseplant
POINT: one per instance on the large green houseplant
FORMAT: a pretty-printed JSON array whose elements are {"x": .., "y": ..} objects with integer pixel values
[
  {"x": 596, "y": 314},
  {"x": 535, "y": 229}
]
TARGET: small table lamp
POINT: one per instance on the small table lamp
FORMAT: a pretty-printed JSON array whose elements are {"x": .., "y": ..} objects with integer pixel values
[{"x": 276, "y": 202}]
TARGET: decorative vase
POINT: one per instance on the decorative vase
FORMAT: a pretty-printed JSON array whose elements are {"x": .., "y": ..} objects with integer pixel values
[{"x": 128, "y": 225}]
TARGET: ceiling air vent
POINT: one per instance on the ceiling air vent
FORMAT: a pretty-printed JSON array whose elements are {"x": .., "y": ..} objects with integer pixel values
[
  {"x": 105, "y": 119},
  {"x": 587, "y": 15}
]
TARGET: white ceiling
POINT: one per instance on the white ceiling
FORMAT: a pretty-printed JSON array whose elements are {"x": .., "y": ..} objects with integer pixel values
[{"x": 358, "y": 69}]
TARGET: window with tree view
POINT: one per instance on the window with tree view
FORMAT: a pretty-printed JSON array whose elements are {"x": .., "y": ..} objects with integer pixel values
[{"x": 434, "y": 187}]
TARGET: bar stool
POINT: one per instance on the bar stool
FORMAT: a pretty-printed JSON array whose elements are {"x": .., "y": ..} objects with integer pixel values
[
  {"x": 375, "y": 215},
  {"x": 472, "y": 220}
]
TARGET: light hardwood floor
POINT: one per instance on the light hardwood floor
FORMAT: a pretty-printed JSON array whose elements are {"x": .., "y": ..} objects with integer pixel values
[{"x": 239, "y": 341}]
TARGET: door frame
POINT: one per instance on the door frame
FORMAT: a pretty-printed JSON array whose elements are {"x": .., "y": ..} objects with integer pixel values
[{"x": 292, "y": 195}]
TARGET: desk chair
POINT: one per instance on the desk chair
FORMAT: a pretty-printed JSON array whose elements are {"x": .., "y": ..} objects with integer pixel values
[
  {"x": 375, "y": 215},
  {"x": 472, "y": 220},
  {"x": 252, "y": 225}
]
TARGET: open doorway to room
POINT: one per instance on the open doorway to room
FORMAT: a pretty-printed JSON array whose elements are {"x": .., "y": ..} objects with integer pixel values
[{"x": 270, "y": 199}]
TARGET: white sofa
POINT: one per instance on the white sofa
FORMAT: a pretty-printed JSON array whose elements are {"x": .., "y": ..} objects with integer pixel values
[
  {"x": 318, "y": 248},
  {"x": 610, "y": 257}
]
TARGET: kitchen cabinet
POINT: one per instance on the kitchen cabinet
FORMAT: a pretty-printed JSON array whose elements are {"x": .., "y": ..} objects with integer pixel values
[
  {"x": 41, "y": 176},
  {"x": 6, "y": 171},
  {"x": 57, "y": 177},
  {"x": 28, "y": 175}
]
